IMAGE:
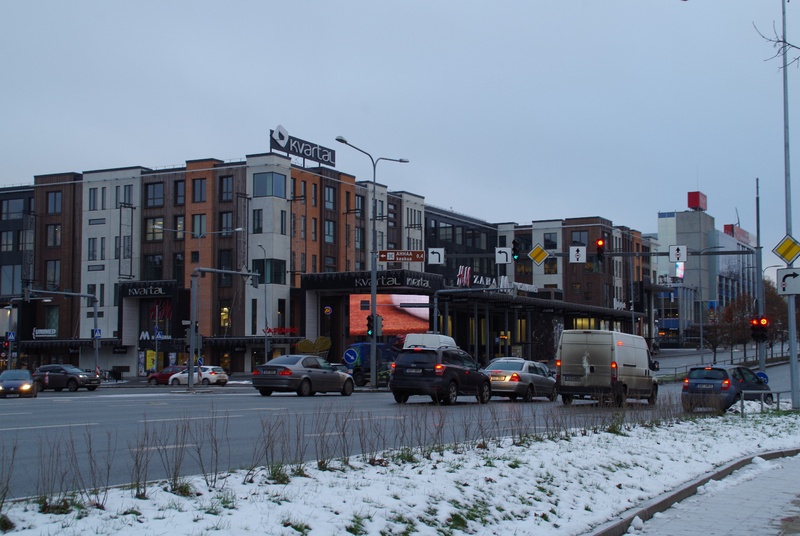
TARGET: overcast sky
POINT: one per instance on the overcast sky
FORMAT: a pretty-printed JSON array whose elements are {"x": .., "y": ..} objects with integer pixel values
[{"x": 508, "y": 110}]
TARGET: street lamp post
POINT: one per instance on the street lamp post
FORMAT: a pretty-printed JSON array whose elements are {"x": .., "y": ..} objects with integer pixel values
[
  {"x": 266, "y": 310},
  {"x": 373, "y": 361},
  {"x": 194, "y": 312},
  {"x": 702, "y": 310}
]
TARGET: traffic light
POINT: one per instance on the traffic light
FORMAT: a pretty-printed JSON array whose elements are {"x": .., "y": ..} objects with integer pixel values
[
  {"x": 754, "y": 329},
  {"x": 378, "y": 325},
  {"x": 600, "y": 248},
  {"x": 759, "y": 328},
  {"x": 370, "y": 326},
  {"x": 515, "y": 249}
]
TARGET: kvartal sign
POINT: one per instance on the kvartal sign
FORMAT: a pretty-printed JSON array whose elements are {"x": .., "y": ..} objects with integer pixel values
[{"x": 279, "y": 140}]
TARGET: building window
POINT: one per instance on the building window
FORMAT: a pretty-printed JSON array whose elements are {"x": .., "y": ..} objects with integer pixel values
[
  {"x": 330, "y": 198},
  {"x": 179, "y": 224},
  {"x": 551, "y": 266},
  {"x": 54, "y": 235},
  {"x": 102, "y": 248},
  {"x": 226, "y": 188},
  {"x": 271, "y": 271},
  {"x": 283, "y": 222},
  {"x": 359, "y": 232},
  {"x": 7, "y": 241},
  {"x": 269, "y": 185},
  {"x": 226, "y": 223},
  {"x": 303, "y": 227},
  {"x": 154, "y": 194},
  {"x": 550, "y": 240},
  {"x": 53, "y": 274},
  {"x": 10, "y": 280},
  {"x": 154, "y": 228},
  {"x": 124, "y": 195},
  {"x": 330, "y": 232},
  {"x": 180, "y": 192},
  {"x": 153, "y": 268},
  {"x": 330, "y": 264},
  {"x": 225, "y": 263},
  {"x": 580, "y": 238},
  {"x": 313, "y": 195},
  {"x": 12, "y": 209},
  {"x": 314, "y": 229},
  {"x": 258, "y": 221},
  {"x": 92, "y": 198},
  {"x": 198, "y": 225},
  {"x": 199, "y": 191},
  {"x": 177, "y": 269},
  {"x": 92, "y": 249},
  {"x": 54, "y": 202}
]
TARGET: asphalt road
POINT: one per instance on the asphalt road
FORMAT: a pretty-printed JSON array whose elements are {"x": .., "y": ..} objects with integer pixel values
[{"x": 63, "y": 441}]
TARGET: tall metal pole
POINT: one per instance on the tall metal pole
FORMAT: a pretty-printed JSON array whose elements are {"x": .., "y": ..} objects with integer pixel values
[
  {"x": 266, "y": 310},
  {"x": 193, "y": 338},
  {"x": 760, "y": 347},
  {"x": 373, "y": 284},
  {"x": 793, "y": 369}
]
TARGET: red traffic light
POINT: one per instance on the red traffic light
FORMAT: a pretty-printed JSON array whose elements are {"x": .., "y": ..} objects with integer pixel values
[
  {"x": 763, "y": 321},
  {"x": 600, "y": 242}
]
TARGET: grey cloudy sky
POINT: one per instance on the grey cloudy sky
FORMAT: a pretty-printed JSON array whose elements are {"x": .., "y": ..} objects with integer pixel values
[{"x": 508, "y": 110}]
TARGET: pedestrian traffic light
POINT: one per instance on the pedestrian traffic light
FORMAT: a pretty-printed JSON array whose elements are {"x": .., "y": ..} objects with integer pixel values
[
  {"x": 600, "y": 248},
  {"x": 515, "y": 249},
  {"x": 370, "y": 326}
]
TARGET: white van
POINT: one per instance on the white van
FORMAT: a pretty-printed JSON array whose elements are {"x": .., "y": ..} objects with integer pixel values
[
  {"x": 606, "y": 366},
  {"x": 428, "y": 340}
]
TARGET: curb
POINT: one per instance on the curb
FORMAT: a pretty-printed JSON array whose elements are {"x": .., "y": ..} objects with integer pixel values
[{"x": 620, "y": 525}]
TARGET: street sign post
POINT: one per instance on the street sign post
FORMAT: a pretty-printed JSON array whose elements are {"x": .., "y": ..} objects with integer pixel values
[{"x": 399, "y": 255}]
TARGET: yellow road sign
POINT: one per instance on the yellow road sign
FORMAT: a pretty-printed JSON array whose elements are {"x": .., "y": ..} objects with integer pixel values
[
  {"x": 787, "y": 249},
  {"x": 538, "y": 254}
]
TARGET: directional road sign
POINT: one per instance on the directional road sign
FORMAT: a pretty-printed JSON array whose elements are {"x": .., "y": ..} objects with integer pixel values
[
  {"x": 577, "y": 254},
  {"x": 502, "y": 256},
  {"x": 788, "y": 281},
  {"x": 677, "y": 254},
  {"x": 350, "y": 356},
  {"x": 788, "y": 249},
  {"x": 435, "y": 255},
  {"x": 399, "y": 255}
]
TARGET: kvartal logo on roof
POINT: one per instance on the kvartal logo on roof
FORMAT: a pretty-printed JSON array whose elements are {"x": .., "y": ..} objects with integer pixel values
[{"x": 279, "y": 140}]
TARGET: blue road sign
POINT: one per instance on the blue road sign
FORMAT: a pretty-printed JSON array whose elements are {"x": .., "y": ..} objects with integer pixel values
[
  {"x": 763, "y": 376},
  {"x": 350, "y": 356},
  {"x": 11, "y": 336},
  {"x": 97, "y": 334}
]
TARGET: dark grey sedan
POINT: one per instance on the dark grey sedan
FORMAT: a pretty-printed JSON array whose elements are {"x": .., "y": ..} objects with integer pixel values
[
  {"x": 720, "y": 386},
  {"x": 514, "y": 377},
  {"x": 301, "y": 374}
]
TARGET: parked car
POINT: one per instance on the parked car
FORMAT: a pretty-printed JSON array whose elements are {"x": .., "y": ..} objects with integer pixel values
[
  {"x": 17, "y": 383},
  {"x": 301, "y": 374},
  {"x": 442, "y": 373},
  {"x": 162, "y": 376},
  {"x": 514, "y": 377},
  {"x": 58, "y": 377},
  {"x": 207, "y": 375},
  {"x": 721, "y": 386}
]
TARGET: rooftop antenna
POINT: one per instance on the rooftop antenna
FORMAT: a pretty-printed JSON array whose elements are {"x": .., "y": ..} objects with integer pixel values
[{"x": 738, "y": 222}]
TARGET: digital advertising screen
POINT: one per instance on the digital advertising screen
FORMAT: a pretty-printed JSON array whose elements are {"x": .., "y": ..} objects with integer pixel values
[{"x": 398, "y": 317}]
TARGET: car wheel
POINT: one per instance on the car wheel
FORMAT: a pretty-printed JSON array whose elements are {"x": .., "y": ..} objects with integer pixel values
[
  {"x": 176, "y": 381},
  {"x": 347, "y": 388},
  {"x": 152, "y": 381},
  {"x": 206, "y": 381},
  {"x": 39, "y": 386},
  {"x": 653, "y": 396},
  {"x": 401, "y": 398},
  {"x": 451, "y": 395},
  {"x": 35, "y": 392},
  {"x": 72, "y": 386},
  {"x": 92, "y": 388},
  {"x": 566, "y": 399},
  {"x": 304, "y": 389},
  {"x": 484, "y": 393},
  {"x": 528, "y": 394},
  {"x": 553, "y": 395},
  {"x": 768, "y": 399},
  {"x": 265, "y": 392},
  {"x": 359, "y": 378}
]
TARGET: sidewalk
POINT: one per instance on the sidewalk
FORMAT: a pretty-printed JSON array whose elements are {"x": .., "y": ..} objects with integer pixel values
[{"x": 754, "y": 496}]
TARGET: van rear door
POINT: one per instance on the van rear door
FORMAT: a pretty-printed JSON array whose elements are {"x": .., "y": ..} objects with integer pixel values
[{"x": 586, "y": 359}]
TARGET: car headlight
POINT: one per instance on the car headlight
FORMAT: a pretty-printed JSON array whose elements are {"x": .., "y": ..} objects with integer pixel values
[{"x": 24, "y": 387}]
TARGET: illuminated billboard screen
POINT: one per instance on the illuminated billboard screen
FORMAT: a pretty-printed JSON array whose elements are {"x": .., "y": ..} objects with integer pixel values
[
  {"x": 397, "y": 320},
  {"x": 679, "y": 272}
]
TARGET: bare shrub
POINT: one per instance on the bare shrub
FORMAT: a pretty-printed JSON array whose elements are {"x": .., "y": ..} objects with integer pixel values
[
  {"x": 323, "y": 442},
  {"x": 140, "y": 452},
  {"x": 171, "y": 443},
  {"x": 54, "y": 479},
  {"x": 209, "y": 444},
  {"x": 92, "y": 481},
  {"x": 8, "y": 455}
]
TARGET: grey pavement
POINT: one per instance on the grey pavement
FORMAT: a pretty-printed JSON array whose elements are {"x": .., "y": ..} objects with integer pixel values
[{"x": 757, "y": 496}]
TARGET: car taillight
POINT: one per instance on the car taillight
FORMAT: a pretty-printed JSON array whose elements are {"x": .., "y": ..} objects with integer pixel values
[
  {"x": 726, "y": 384},
  {"x": 394, "y": 366},
  {"x": 614, "y": 371},
  {"x": 514, "y": 377},
  {"x": 439, "y": 369},
  {"x": 686, "y": 384},
  {"x": 285, "y": 372},
  {"x": 212, "y": 373},
  {"x": 256, "y": 372}
]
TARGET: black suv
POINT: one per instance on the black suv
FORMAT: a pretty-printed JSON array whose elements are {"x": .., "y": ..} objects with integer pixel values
[
  {"x": 441, "y": 373},
  {"x": 57, "y": 377}
]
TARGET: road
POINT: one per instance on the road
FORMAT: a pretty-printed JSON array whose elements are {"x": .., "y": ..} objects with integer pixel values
[{"x": 106, "y": 435}]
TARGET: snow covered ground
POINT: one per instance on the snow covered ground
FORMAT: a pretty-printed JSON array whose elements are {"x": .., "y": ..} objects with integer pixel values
[{"x": 564, "y": 482}]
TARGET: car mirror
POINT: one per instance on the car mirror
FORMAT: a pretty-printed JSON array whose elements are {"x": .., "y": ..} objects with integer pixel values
[{"x": 654, "y": 365}]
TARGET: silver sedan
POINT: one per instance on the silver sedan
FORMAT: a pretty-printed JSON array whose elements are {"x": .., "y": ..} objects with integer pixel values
[
  {"x": 301, "y": 374},
  {"x": 514, "y": 377}
]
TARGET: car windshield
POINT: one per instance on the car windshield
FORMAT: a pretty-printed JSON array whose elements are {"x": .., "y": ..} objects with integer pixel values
[
  {"x": 707, "y": 374},
  {"x": 416, "y": 358},
  {"x": 285, "y": 360},
  {"x": 15, "y": 375},
  {"x": 505, "y": 365}
]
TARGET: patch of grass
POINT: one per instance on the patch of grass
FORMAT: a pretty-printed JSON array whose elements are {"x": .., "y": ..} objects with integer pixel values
[
  {"x": 6, "y": 524},
  {"x": 357, "y": 525},
  {"x": 299, "y": 526}
]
